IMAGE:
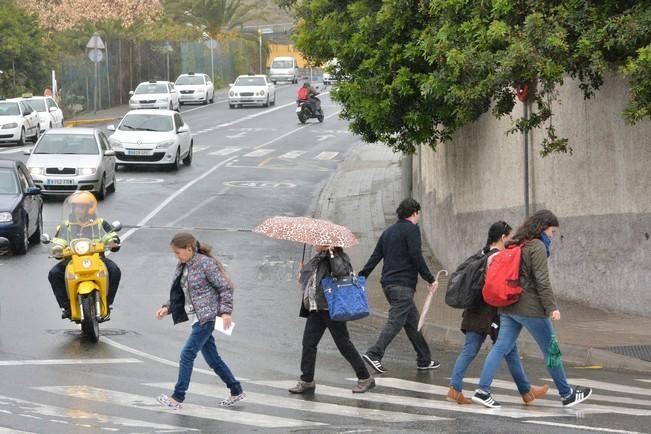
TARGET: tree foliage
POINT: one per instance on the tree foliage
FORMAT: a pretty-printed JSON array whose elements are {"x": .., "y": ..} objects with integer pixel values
[
  {"x": 420, "y": 70},
  {"x": 216, "y": 19}
]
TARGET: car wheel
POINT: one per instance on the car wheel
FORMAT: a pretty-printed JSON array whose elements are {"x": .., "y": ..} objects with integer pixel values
[
  {"x": 101, "y": 193},
  {"x": 22, "y": 141},
  {"x": 205, "y": 101},
  {"x": 36, "y": 134},
  {"x": 176, "y": 165},
  {"x": 266, "y": 104},
  {"x": 187, "y": 161},
  {"x": 111, "y": 188},
  {"x": 36, "y": 236},
  {"x": 212, "y": 98},
  {"x": 22, "y": 244}
]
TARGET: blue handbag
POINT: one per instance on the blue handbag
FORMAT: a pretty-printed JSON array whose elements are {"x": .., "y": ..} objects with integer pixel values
[{"x": 346, "y": 297}]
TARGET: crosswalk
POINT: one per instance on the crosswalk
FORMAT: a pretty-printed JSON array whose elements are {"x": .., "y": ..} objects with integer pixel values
[
  {"x": 268, "y": 406},
  {"x": 268, "y": 152}
]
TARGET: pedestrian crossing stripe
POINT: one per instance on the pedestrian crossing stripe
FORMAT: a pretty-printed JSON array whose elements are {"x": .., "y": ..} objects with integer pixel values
[
  {"x": 224, "y": 151},
  {"x": 292, "y": 154},
  {"x": 326, "y": 155},
  {"x": 259, "y": 153},
  {"x": 236, "y": 416},
  {"x": 61, "y": 415},
  {"x": 311, "y": 406},
  {"x": 611, "y": 387}
]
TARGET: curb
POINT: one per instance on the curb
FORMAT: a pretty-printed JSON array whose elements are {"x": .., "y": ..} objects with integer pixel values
[{"x": 74, "y": 123}]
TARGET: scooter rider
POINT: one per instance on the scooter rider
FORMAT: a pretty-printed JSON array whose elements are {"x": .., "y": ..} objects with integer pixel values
[
  {"x": 308, "y": 94},
  {"x": 83, "y": 223}
]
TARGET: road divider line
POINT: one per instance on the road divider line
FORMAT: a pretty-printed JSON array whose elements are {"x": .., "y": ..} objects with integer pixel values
[{"x": 66, "y": 362}]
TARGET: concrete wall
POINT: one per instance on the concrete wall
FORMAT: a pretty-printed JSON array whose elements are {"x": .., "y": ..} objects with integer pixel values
[{"x": 601, "y": 194}]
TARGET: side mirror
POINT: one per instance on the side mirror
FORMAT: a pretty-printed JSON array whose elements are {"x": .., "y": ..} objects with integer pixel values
[
  {"x": 183, "y": 129},
  {"x": 45, "y": 239},
  {"x": 109, "y": 153},
  {"x": 32, "y": 191},
  {"x": 131, "y": 93},
  {"x": 117, "y": 226},
  {"x": 230, "y": 84},
  {"x": 111, "y": 127},
  {"x": 53, "y": 109}
]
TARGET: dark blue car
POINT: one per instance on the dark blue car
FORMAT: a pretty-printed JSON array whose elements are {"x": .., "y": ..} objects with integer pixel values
[{"x": 21, "y": 206}]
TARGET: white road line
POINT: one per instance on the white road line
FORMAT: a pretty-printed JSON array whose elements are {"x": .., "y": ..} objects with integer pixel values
[
  {"x": 67, "y": 362},
  {"x": 644, "y": 380},
  {"x": 326, "y": 155},
  {"x": 610, "y": 387},
  {"x": 12, "y": 151},
  {"x": 224, "y": 151},
  {"x": 310, "y": 406},
  {"x": 588, "y": 428},
  {"x": 199, "y": 148},
  {"x": 259, "y": 153},
  {"x": 142, "y": 402},
  {"x": 66, "y": 417},
  {"x": 4, "y": 430},
  {"x": 282, "y": 136},
  {"x": 172, "y": 197},
  {"x": 292, "y": 154},
  {"x": 432, "y": 404}
]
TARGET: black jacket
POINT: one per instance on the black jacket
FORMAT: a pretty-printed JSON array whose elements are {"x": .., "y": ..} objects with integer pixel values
[{"x": 401, "y": 249}]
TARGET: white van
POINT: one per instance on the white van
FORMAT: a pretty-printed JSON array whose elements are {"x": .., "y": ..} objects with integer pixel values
[{"x": 284, "y": 69}]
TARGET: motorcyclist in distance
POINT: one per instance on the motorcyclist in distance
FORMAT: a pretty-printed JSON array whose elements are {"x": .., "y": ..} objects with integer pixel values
[
  {"x": 83, "y": 223},
  {"x": 308, "y": 94}
]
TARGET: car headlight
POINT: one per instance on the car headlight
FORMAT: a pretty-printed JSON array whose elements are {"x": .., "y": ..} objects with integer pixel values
[
  {"x": 115, "y": 144},
  {"x": 85, "y": 171},
  {"x": 81, "y": 247},
  {"x": 261, "y": 93},
  {"x": 165, "y": 144},
  {"x": 5, "y": 217},
  {"x": 231, "y": 93},
  {"x": 36, "y": 171},
  {"x": 8, "y": 126}
]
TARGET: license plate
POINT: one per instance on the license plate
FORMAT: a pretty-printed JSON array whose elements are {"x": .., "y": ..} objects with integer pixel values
[
  {"x": 60, "y": 181},
  {"x": 138, "y": 152},
  {"x": 298, "y": 109}
]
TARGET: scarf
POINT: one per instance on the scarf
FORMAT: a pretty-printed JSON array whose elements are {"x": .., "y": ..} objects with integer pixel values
[{"x": 547, "y": 241}]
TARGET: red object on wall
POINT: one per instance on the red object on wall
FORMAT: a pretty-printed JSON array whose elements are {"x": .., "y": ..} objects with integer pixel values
[{"x": 522, "y": 92}]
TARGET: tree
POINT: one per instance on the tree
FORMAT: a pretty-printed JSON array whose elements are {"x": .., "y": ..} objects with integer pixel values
[
  {"x": 217, "y": 19},
  {"x": 420, "y": 70}
]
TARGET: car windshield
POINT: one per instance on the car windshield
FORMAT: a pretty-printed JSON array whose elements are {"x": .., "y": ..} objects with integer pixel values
[
  {"x": 145, "y": 88},
  {"x": 9, "y": 109},
  {"x": 83, "y": 144},
  {"x": 37, "y": 104},
  {"x": 8, "y": 183},
  {"x": 146, "y": 122},
  {"x": 282, "y": 64},
  {"x": 189, "y": 79},
  {"x": 250, "y": 81}
]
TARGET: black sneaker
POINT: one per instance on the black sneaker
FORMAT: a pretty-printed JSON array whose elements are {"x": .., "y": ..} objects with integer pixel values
[
  {"x": 578, "y": 394},
  {"x": 375, "y": 364},
  {"x": 433, "y": 364},
  {"x": 485, "y": 399}
]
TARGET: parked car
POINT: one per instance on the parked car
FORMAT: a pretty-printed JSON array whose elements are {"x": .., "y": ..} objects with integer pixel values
[
  {"x": 284, "y": 69},
  {"x": 21, "y": 206},
  {"x": 65, "y": 160},
  {"x": 252, "y": 90},
  {"x": 49, "y": 113},
  {"x": 154, "y": 94},
  {"x": 195, "y": 88},
  {"x": 158, "y": 137},
  {"x": 18, "y": 121}
]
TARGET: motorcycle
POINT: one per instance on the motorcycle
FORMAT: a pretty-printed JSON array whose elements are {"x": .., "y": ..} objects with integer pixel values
[
  {"x": 305, "y": 110},
  {"x": 86, "y": 277}
]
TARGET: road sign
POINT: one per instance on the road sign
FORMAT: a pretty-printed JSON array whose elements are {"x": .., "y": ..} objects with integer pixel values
[{"x": 95, "y": 55}]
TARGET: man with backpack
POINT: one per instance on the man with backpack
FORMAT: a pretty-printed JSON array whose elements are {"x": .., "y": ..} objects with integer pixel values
[{"x": 399, "y": 247}]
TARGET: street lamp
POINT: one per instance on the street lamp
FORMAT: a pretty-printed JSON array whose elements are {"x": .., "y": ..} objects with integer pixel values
[
  {"x": 260, "y": 32},
  {"x": 212, "y": 44},
  {"x": 167, "y": 49}
]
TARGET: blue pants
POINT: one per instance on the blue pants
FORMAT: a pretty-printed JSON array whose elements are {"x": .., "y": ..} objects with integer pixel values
[
  {"x": 510, "y": 326},
  {"x": 471, "y": 347},
  {"x": 201, "y": 339}
]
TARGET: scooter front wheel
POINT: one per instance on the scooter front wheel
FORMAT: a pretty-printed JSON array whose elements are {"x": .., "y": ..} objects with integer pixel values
[{"x": 89, "y": 325}]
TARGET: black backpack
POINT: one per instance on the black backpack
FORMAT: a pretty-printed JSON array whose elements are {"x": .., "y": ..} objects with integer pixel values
[{"x": 465, "y": 284}]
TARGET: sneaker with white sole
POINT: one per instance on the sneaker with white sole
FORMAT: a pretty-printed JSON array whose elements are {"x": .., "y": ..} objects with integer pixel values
[
  {"x": 375, "y": 364},
  {"x": 485, "y": 399},
  {"x": 579, "y": 394},
  {"x": 166, "y": 401},
  {"x": 232, "y": 399},
  {"x": 433, "y": 364}
]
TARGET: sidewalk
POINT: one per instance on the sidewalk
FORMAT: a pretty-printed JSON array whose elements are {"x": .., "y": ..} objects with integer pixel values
[
  {"x": 363, "y": 195},
  {"x": 106, "y": 116}
]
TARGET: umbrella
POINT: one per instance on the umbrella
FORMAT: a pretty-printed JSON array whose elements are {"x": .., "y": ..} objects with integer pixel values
[
  {"x": 428, "y": 301},
  {"x": 308, "y": 230}
]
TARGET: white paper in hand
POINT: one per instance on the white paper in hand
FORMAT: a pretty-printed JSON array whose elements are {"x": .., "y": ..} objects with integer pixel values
[{"x": 219, "y": 326}]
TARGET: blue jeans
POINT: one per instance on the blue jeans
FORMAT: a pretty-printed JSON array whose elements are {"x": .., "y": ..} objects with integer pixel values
[
  {"x": 201, "y": 338},
  {"x": 510, "y": 326},
  {"x": 471, "y": 347}
]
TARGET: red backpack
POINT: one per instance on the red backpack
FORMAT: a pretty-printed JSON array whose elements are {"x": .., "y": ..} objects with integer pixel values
[
  {"x": 303, "y": 93},
  {"x": 502, "y": 284}
]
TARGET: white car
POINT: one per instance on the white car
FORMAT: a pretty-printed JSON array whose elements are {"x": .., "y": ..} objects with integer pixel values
[
  {"x": 252, "y": 90},
  {"x": 49, "y": 113},
  {"x": 154, "y": 94},
  {"x": 18, "y": 121},
  {"x": 158, "y": 137},
  {"x": 195, "y": 88}
]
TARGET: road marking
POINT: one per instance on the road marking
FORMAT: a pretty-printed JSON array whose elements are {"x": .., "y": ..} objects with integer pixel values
[
  {"x": 326, "y": 155},
  {"x": 237, "y": 136},
  {"x": 148, "y": 403},
  {"x": 259, "y": 153},
  {"x": 224, "y": 151},
  {"x": 310, "y": 406},
  {"x": 67, "y": 417},
  {"x": 323, "y": 137},
  {"x": 4, "y": 430},
  {"x": 67, "y": 362},
  {"x": 292, "y": 154},
  {"x": 282, "y": 136},
  {"x": 259, "y": 184},
  {"x": 195, "y": 209},
  {"x": 12, "y": 151},
  {"x": 588, "y": 428},
  {"x": 199, "y": 148}
]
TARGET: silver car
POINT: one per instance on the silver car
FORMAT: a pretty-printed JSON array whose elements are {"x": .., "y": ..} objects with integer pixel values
[{"x": 69, "y": 159}]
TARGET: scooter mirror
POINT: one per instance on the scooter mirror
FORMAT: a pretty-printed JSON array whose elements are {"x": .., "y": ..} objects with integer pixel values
[
  {"x": 117, "y": 226},
  {"x": 45, "y": 239}
]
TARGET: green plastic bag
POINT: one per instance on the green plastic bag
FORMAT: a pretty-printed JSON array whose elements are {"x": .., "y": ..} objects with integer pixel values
[{"x": 554, "y": 354}]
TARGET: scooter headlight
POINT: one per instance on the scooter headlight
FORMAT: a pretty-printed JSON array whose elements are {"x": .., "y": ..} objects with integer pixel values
[{"x": 81, "y": 247}]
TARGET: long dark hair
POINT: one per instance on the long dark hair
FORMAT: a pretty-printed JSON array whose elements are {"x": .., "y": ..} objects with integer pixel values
[
  {"x": 495, "y": 233},
  {"x": 533, "y": 226},
  {"x": 183, "y": 240}
]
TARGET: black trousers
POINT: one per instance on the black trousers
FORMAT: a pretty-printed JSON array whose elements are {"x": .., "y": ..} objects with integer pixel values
[
  {"x": 57, "y": 278},
  {"x": 316, "y": 324}
]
